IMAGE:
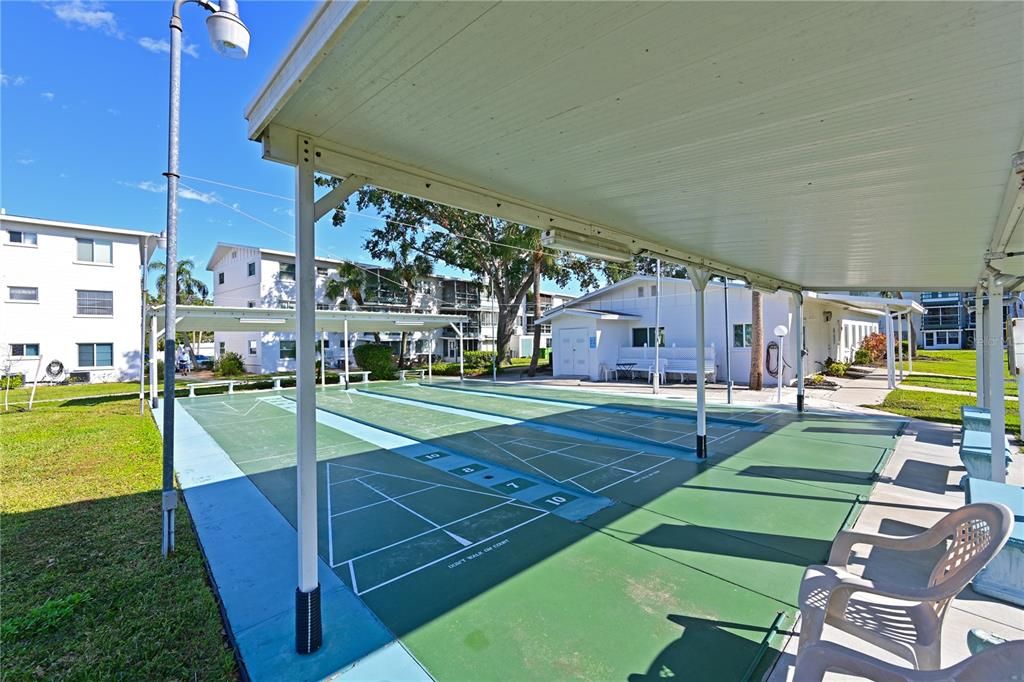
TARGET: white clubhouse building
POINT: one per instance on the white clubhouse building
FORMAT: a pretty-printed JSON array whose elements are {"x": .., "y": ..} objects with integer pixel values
[
  {"x": 599, "y": 330},
  {"x": 70, "y": 294}
]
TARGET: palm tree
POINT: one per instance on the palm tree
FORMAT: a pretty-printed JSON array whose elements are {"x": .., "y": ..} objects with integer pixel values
[
  {"x": 408, "y": 272},
  {"x": 349, "y": 286},
  {"x": 191, "y": 290},
  {"x": 756, "y": 382}
]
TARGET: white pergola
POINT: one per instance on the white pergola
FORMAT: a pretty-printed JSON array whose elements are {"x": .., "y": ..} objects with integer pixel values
[{"x": 800, "y": 146}]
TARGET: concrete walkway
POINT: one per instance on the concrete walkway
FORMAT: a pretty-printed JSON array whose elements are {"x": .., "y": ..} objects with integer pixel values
[
  {"x": 947, "y": 391},
  {"x": 917, "y": 487}
]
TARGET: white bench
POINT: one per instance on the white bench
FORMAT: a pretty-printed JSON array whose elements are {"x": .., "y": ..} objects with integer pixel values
[
  {"x": 421, "y": 373},
  {"x": 365, "y": 375},
  {"x": 671, "y": 360},
  {"x": 205, "y": 384}
]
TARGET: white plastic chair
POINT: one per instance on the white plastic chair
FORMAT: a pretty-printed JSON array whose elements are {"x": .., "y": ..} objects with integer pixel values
[
  {"x": 1002, "y": 662},
  {"x": 907, "y": 621}
]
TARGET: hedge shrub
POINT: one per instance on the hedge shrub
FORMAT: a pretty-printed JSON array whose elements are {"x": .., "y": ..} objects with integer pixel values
[
  {"x": 18, "y": 380},
  {"x": 377, "y": 359},
  {"x": 478, "y": 359},
  {"x": 229, "y": 365}
]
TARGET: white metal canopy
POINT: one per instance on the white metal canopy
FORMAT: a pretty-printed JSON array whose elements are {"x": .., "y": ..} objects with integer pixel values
[
  {"x": 229, "y": 319},
  {"x": 844, "y": 145}
]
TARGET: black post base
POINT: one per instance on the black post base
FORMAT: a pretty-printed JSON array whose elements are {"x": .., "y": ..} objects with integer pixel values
[
  {"x": 799, "y": 402},
  {"x": 702, "y": 447},
  {"x": 308, "y": 629}
]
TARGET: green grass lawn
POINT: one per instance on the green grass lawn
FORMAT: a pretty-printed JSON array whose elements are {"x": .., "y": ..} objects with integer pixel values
[
  {"x": 938, "y": 407},
  {"x": 951, "y": 362},
  {"x": 86, "y": 594},
  {"x": 954, "y": 383}
]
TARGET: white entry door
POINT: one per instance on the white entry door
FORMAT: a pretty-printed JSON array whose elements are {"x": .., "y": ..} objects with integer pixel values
[{"x": 573, "y": 353}]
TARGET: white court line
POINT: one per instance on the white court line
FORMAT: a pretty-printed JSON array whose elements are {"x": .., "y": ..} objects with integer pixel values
[
  {"x": 653, "y": 466},
  {"x": 426, "y": 532},
  {"x": 541, "y": 515},
  {"x": 461, "y": 540},
  {"x": 374, "y": 504},
  {"x": 609, "y": 464},
  {"x": 409, "y": 478},
  {"x": 509, "y": 452},
  {"x": 235, "y": 423}
]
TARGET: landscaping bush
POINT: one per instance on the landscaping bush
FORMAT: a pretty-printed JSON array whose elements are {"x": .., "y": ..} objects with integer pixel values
[
  {"x": 478, "y": 359},
  {"x": 229, "y": 365},
  {"x": 446, "y": 369},
  {"x": 874, "y": 344},
  {"x": 862, "y": 357},
  {"x": 377, "y": 359},
  {"x": 12, "y": 381},
  {"x": 834, "y": 369}
]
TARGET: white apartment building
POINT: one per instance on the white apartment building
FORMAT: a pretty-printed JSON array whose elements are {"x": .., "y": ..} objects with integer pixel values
[
  {"x": 70, "y": 294},
  {"x": 250, "y": 276}
]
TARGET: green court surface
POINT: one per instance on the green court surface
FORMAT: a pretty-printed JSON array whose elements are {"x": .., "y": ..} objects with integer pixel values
[{"x": 680, "y": 575}]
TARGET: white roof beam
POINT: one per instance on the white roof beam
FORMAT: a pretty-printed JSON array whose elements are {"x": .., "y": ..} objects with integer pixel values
[{"x": 279, "y": 144}]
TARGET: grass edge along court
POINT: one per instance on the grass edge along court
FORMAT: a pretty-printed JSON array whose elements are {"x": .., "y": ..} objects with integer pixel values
[
  {"x": 677, "y": 563},
  {"x": 86, "y": 594}
]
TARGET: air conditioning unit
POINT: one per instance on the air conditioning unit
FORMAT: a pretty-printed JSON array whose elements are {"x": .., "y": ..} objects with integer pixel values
[{"x": 79, "y": 377}]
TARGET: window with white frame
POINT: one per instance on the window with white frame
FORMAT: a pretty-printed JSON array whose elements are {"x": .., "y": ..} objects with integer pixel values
[
  {"x": 287, "y": 350},
  {"x": 24, "y": 350},
  {"x": 252, "y": 304},
  {"x": 95, "y": 355},
  {"x": 742, "y": 335},
  {"x": 654, "y": 290},
  {"x": 220, "y": 278},
  {"x": 323, "y": 306},
  {"x": 253, "y": 345},
  {"x": 95, "y": 302},
  {"x": 22, "y": 238},
  {"x": 321, "y": 271},
  {"x": 23, "y": 294},
  {"x": 251, "y": 269},
  {"x": 95, "y": 251},
  {"x": 287, "y": 271},
  {"x": 644, "y": 336},
  {"x": 286, "y": 304},
  {"x": 639, "y": 292}
]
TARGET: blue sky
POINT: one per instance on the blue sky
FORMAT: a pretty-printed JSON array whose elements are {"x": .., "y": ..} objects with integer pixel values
[{"x": 83, "y": 124}]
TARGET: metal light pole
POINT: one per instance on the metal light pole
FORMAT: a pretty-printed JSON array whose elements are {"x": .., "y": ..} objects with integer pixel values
[{"x": 229, "y": 37}]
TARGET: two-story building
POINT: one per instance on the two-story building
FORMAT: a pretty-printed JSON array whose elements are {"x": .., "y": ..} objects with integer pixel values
[
  {"x": 70, "y": 300},
  {"x": 949, "y": 321},
  {"x": 265, "y": 278}
]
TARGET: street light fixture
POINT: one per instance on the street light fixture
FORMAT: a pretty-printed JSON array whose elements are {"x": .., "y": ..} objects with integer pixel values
[
  {"x": 145, "y": 254},
  {"x": 230, "y": 37}
]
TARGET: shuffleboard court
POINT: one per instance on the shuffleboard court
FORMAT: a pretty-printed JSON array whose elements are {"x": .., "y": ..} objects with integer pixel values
[
  {"x": 484, "y": 579},
  {"x": 572, "y": 462},
  {"x": 652, "y": 429}
]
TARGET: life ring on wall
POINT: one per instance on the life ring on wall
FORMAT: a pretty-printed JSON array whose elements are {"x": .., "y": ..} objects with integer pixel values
[{"x": 55, "y": 369}]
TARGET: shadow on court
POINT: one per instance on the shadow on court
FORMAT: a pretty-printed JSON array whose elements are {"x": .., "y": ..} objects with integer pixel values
[{"x": 497, "y": 550}]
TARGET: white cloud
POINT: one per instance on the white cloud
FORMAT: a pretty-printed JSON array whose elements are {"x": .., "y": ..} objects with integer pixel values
[
  {"x": 8, "y": 79},
  {"x": 25, "y": 161},
  {"x": 285, "y": 211},
  {"x": 162, "y": 46},
  {"x": 87, "y": 14},
  {"x": 184, "y": 193},
  {"x": 144, "y": 185},
  {"x": 195, "y": 195},
  {"x": 113, "y": 112},
  {"x": 48, "y": 96}
]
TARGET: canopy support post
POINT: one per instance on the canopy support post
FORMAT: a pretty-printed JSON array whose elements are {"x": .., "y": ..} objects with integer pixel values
[
  {"x": 657, "y": 328},
  {"x": 996, "y": 399},
  {"x": 798, "y": 341},
  {"x": 890, "y": 361},
  {"x": 728, "y": 342},
  {"x": 154, "y": 400},
  {"x": 980, "y": 368},
  {"x": 345, "y": 331},
  {"x": 899, "y": 340},
  {"x": 308, "y": 631},
  {"x": 430, "y": 357},
  {"x": 323, "y": 361},
  {"x": 700, "y": 278},
  {"x": 462, "y": 359}
]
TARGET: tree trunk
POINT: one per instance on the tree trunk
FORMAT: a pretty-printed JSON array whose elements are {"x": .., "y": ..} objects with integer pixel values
[
  {"x": 756, "y": 341},
  {"x": 401, "y": 352},
  {"x": 536, "y": 317}
]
